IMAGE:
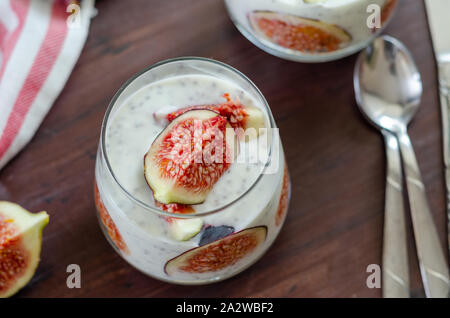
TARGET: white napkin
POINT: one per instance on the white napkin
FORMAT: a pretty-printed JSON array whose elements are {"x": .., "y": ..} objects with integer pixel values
[{"x": 40, "y": 42}]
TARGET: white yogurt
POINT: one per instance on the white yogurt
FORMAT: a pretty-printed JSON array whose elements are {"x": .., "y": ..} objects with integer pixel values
[{"x": 129, "y": 134}]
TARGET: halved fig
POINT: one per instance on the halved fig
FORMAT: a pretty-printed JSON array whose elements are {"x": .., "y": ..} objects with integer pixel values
[
  {"x": 181, "y": 229},
  {"x": 109, "y": 224},
  {"x": 300, "y": 34},
  {"x": 189, "y": 157},
  {"x": 20, "y": 246},
  {"x": 238, "y": 115},
  {"x": 218, "y": 254}
]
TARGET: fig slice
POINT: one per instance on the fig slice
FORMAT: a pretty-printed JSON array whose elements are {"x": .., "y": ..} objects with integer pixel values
[
  {"x": 189, "y": 156},
  {"x": 299, "y": 34},
  {"x": 238, "y": 115},
  {"x": 218, "y": 254},
  {"x": 387, "y": 10},
  {"x": 20, "y": 246},
  {"x": 181, "y": 229},
  {"x": 108, "y": 222},
  {"x": 284, "y": 197},
  {"x": 185, "y": 229}
]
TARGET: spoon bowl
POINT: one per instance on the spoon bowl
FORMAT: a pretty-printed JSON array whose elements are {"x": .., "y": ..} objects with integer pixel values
[{"x": 387, "y": 84}]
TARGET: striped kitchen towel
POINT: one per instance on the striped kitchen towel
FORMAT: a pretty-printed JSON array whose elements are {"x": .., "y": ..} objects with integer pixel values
[{"x": 40, "y": 42}]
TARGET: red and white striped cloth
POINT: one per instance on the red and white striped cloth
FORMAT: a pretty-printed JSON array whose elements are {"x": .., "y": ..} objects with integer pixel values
[{"x": 38, "y": 50}]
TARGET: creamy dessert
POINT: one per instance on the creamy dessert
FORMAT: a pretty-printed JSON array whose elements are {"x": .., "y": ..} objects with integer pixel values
[
  {"x": 309, "y": 30},
  {"x": 175, "y": 217}
]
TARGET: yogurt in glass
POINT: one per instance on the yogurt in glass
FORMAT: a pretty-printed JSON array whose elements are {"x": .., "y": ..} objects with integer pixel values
[
  {"x": 244, "y": 210},
  {"x": 310, "y": 30}
]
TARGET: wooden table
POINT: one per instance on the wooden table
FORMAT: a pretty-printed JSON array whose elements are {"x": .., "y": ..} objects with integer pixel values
[{"x": 334, "y": 226}]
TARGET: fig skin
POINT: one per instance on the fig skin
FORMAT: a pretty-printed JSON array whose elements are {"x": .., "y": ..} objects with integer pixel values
[
  {"x": 213, "y": 233},
  {"x": 170, "y": 188}
]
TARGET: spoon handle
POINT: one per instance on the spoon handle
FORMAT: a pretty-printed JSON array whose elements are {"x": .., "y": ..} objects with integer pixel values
[
  {"x": 395, "y": 255},
  {"x": 433, "y": 266}
]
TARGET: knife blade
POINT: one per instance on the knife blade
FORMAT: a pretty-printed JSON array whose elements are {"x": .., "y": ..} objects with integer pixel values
[{"x": 438, "y": 18}]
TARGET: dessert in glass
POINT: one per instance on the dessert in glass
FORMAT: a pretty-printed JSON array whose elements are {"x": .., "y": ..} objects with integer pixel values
[
  {"x": 191, "y": 185},
  {"x": 310, "y": 30}
]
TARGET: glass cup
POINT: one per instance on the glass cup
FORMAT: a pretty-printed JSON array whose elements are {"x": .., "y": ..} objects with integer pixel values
[
  {"x": 241, "y": 216},
  {"x": 310, "y": 30}
]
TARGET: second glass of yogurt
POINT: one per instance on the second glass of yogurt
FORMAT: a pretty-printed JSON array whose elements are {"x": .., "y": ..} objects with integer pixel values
[
  {"x": 310, "y": 30},
  {"x": 176, "y": 218}
]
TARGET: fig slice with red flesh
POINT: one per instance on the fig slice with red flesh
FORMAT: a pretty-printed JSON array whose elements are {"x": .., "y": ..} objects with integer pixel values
[
  {"x": 219, "y": 254},
  {"x": 189, "y": 156},
  {"x": 108, "y": 222},
  {"x": 284, "y": 197},
  {"x": 299, "y": 34},
  {"x": 20, "y": 246},
  {"x": 181, "y": 229},
  {"x": 238, "y": 115}
]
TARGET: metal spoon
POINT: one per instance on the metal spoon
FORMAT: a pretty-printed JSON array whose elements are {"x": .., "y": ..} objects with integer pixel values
[
  {"x": 395, "y": 253},
  {"x": 388, "y": 89}
]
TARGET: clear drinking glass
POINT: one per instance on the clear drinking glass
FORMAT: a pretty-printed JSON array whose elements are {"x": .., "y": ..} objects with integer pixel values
[
  {"x": 310, "y": 30},
  {"x": 242, "y": 215}
]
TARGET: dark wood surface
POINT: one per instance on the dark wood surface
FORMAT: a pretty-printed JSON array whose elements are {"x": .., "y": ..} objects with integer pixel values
[{"x": 334, "y": 226}]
